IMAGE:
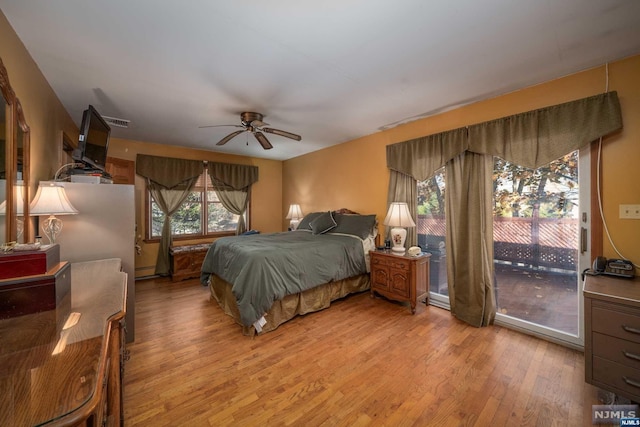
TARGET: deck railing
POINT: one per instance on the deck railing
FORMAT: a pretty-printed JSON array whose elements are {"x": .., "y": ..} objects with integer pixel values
[{"x": 540, "y": 242}]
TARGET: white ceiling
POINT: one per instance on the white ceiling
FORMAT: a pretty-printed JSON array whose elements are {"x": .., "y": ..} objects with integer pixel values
[{"x": 330, "y": 70}]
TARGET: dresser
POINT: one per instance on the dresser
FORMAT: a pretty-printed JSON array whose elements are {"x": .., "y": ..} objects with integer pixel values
[
  {"x": 64, "y": 366},
  {"x": 612, "y": 334},
  {"x": 400, "y": 277}
]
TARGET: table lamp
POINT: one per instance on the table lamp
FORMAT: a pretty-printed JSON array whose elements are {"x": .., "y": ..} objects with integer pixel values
[
  {"x": 51, "y": 200},
  {"x": 398, "y": 217},
  {"x": 295, "y": 215}
]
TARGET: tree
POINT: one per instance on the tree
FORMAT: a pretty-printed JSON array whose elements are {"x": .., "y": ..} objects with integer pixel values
[
  {"x": 431, "y": 194},
  {"x": 523, "y": 192}
]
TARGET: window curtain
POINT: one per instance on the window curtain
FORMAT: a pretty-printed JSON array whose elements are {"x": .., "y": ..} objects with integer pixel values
[
  {"x": 170, "y": 181},
  {"x": 530, "y": 139},
  {"x": 417, "y": 160},
  {"x": 469, "y": 238},
  {"x": 535, "y": 138},
  {"x": 232, "y": 184}
]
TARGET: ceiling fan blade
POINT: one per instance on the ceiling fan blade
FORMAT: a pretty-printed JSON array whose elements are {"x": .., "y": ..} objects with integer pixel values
[
  {"x": 258, "y": 123},
  {"x": 282, "y": 133},
  {"x": 263, "y": 140},
  {"x": 229, "y": 137},
  {"x": 219, "y": 126}
]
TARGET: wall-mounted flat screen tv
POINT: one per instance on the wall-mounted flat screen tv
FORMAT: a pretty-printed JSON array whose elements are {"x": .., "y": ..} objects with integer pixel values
[{"x": 94, "y": 140}]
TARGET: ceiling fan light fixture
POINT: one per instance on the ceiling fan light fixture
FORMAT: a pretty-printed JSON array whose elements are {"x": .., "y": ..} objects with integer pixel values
[
  {"x": 252, "y": 119},
  {"x": 252, "y": 122}
]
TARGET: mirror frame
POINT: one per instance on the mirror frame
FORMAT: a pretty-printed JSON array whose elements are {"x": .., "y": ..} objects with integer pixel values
[
  {"x": 9, "y": 99},
  {"x": 14, "y": 118}
]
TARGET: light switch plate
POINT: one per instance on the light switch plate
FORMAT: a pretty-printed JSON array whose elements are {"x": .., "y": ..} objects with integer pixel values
[{"x": 629, "y": 211}]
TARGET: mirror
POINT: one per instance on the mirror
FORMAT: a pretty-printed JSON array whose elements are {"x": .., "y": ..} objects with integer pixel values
[{"x": 21, "y": 178}]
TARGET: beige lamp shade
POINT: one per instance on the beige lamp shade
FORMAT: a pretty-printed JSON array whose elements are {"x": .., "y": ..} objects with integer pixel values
[
  {"x": 51, "y": 200},
  {"x": 295, "y": 215}
]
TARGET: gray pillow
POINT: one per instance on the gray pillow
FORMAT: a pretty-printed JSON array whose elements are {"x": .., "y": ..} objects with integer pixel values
[
  {"x": 356, "y": 225},
  {"x": 304, "y": 222},
  {"x": 323, "y": 223}
]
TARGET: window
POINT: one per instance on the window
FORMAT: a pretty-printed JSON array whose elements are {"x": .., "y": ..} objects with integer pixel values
[
  {"x": 200, "y": 215},
  {"x": 431, "y": 227}
]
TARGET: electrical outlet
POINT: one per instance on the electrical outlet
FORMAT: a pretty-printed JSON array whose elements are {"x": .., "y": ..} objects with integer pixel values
[{"x": 630, "y": 211}]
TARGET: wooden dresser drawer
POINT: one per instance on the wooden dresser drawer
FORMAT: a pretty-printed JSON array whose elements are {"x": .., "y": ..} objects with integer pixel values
[
  {"x": 618, "y": 376},
  {"x": 399, "y": 263},
  {"x": 621, "y": 351},
  {"x": 616, "y": 320}
]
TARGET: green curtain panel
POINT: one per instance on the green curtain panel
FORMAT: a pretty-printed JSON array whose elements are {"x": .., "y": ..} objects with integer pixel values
[
  {"x": 170, "y": 181},
  {"x": 531, "y": 139},
  {"x": 535, "y": 138},
  {"x": 236, "y": 177},
  {"x": 232, "y": 184},
  {"x": 421, "y": 157},
  {"x": 168, "y": 172}
]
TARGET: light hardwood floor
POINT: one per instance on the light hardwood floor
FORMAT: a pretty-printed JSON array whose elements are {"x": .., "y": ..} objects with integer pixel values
[{"x": 362, "y": 362}]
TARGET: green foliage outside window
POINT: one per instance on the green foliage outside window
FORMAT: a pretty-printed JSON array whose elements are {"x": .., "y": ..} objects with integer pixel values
[{"x": 188, "y": 219}]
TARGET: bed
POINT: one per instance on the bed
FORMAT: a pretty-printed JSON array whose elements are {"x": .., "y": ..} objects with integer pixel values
[{"x": 263, "y": 280}]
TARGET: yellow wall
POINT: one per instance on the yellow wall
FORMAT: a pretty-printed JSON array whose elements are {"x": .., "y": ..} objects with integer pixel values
[
  {"x": 43, "y": 111},
  {"x": 266, "y": 194},
  {"x": 354, "y": 174}
]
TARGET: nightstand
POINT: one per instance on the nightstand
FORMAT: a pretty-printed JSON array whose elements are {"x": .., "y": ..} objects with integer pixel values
[{"x": 400, "y": 277}]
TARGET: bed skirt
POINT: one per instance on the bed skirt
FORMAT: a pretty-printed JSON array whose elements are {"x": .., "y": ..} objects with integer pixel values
[{"x": 290, "y": 306}]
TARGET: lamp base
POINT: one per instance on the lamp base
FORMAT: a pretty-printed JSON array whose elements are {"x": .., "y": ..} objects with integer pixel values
[
  {"x": 398, "y": 236},
  {"x": 51, "y": 227},
  {"x": 294, "y": 224}
]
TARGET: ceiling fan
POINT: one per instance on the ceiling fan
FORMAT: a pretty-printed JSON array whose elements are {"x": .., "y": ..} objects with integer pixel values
[{"x": 252, "y": 122}]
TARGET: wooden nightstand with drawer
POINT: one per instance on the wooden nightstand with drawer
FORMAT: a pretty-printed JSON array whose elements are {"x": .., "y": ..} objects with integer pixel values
[
  {"x": 612, "y": 334},
  {"x": 400, "y": 277}
]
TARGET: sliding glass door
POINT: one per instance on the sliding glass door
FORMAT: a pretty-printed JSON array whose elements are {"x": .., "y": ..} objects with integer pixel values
[
  {"x": 538, "y": 216},
  {"x": 539, "y": 220}
]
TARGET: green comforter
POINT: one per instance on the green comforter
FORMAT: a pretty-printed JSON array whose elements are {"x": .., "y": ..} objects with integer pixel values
[{"x": 263, "y": 268}]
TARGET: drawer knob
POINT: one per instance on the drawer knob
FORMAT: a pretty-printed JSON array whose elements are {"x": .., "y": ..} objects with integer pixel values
[
  {"x": 631, "y": 329},
  {"x": 631, "y": 382},
  {"x": 631, "y": 355}
]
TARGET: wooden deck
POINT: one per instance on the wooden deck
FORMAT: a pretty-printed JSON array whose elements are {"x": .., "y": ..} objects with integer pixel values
[{"x": 548, "y": 299}]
